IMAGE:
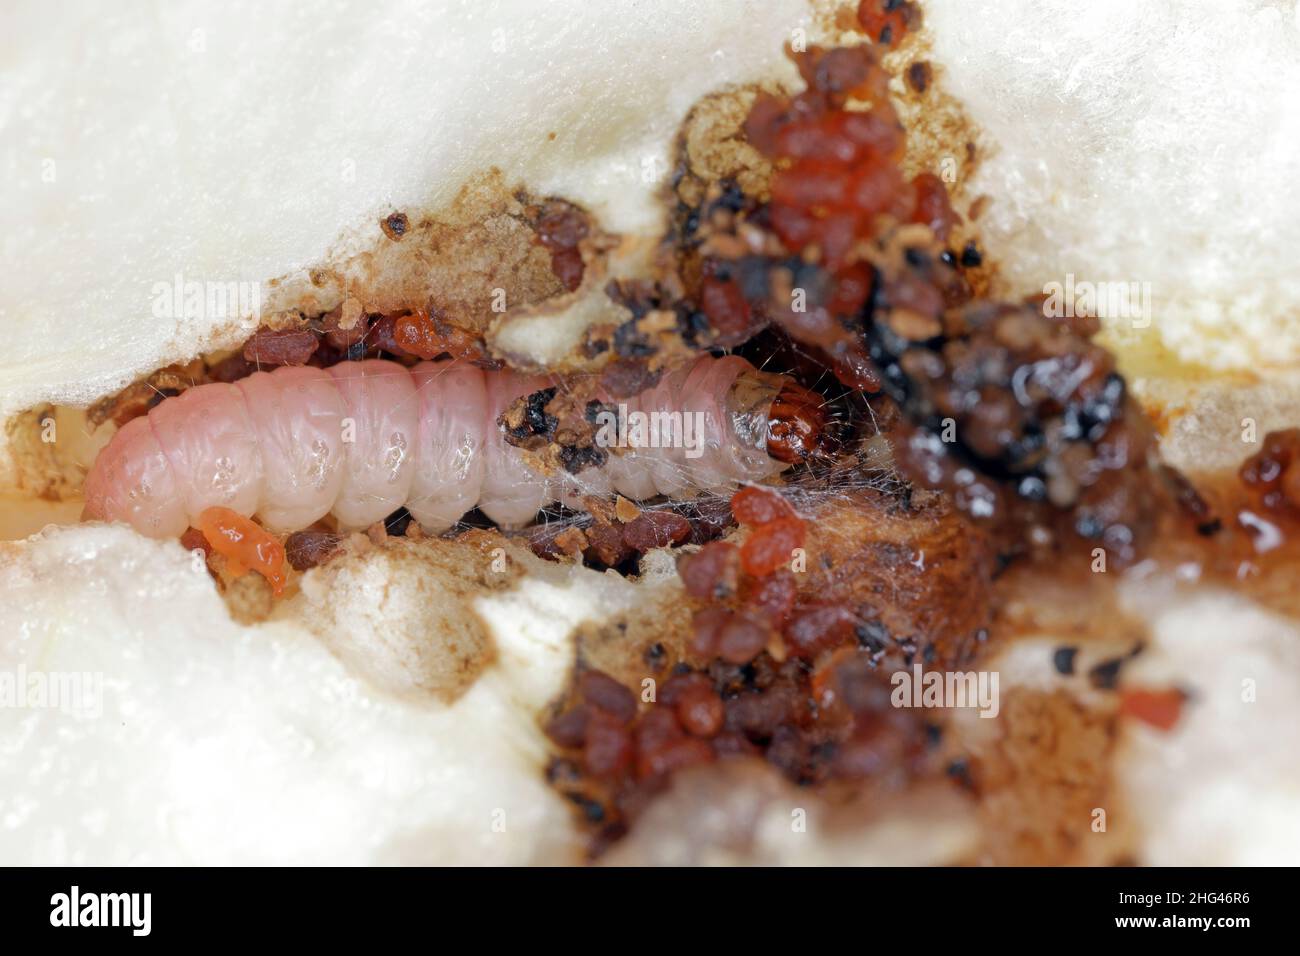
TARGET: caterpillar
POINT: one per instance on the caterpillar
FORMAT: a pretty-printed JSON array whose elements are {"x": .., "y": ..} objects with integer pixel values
[{"x": 361, "y": 439}]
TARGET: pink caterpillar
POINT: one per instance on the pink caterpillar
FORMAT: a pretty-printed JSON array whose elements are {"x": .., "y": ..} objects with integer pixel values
[{"x": 361, "y": 439}]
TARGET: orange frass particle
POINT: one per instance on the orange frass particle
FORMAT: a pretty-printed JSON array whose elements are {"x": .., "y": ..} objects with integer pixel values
[
  {"x": 933, "y": 206},
  {"x": 887, "y": 21},
  {"x": 245, "y": 545},
  {"x": 771, "y": 545},
  {"x": 428, "y": 335},
  {"x": 755, "y": 505},
  {"x": 1158, "y": 708}
]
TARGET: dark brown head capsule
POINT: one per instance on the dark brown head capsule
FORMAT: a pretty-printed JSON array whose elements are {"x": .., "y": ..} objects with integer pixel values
[{"x": 796, "y": 424}]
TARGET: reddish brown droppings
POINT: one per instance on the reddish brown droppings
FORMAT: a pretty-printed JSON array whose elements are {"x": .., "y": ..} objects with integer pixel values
[
  {"x": 232, "y": 368},
  {"x": 728, "y": 311},
  {"x": 854, "y": 369},
  {"x": 705, "y": 625},
  {"x": 428, "y": 335},
  {"x": 568, "y": 267},
  {"x": 338, "y": 337},
  {"x": 845, "y": 137},
  {"x": 1271, "y": 473},
  {"x": 799, "y": 663},
  {"x": 755, "y": 505},
  {"x": 606, "y": 545},
  {"x": 741, "y": 639},
  {"x": 797, "y": 422},
  {"x": 712, "y": 573},
  {"x": 1159, "y": 708},
  {"x": 281, "y": 347},
  {"x": 836, "y": 170},
  {"x": 888, "y": 21},
  {"x": 919, "y": 76},
  {"x": 779, "y": 712},
  {"x": 307, "y": 549},
  {"x": 606, "y": 694},
  {"x": 758, "y": 715},
  {"x": 866, "y": 755},
  {"x": 395, "y": 225},
  {"x": 139, "y": 397},
  {"x": 657, "y": 727},
  {"x": 607, "y": 749},
  {"x": 561, "y": 227},
  {"x": 193, "y": 539},
  {"x": 245, "y": 545},
  {"x": 840, "y": 73},
  {"x": 818, "y": 628},
  {"x": 681, "y": 685},
  {"x": 700, "y": 712},
  {"x": 730, "y": 743},
  {"x": 656, "y": 529},
  {"x": 771, "y": 546},
  {"x": 381, "y": 335},
  {"x": 674, "y": 755},
  {"x": 710, "y": 518},
  {"x": 545, "y": 541},
  {"x": 1190, "y": 501},
  {"x": 822, "y": 184},
  {"x": 569, "y": 729},
  {"x": 933, "y": 207},
  {"x": 775, "y": 596}
]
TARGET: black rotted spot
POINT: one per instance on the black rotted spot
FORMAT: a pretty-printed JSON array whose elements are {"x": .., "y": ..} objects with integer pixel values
[
  {"x": 395, "y": 524},
  {"x": 395, "y": 226},
  {"x": 691, "y": 223},
  {"x": 1093, "y": 418},
  {"x": 693, "y": 325},
  {"x": 1063, "y": 660},
  {"x": 919, "y": 75},
  {"x": 535, "y": 416},
  {"x": 575, "y": 460},
  {"x": 752, "y": 275},
  {"x": 1105, "y": 676},
  {"x": 655, "y": 655},
  {"x": 161, "y": 393},
  {"x": 596, "y": 408},
  {"x": 873, "y": 635},
  {"x": 630, "y": 343},
  {"x": 536, "y": 422},
  {"x": 591, "y": 809},
  {"x": 959, "y": 771},
  {"x": 732, "y": 198}
]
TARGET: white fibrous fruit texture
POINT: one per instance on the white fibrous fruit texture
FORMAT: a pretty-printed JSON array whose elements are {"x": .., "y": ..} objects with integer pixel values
[
  {"x": 1220, "y": 788},
  {"x": 141, "y": 725},
  {"x": 1128, "y": 143},
  {"x": 245, "y": 143}
]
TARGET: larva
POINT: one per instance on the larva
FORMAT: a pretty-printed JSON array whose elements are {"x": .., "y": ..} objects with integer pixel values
[{"x": 361, "y": 439}]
